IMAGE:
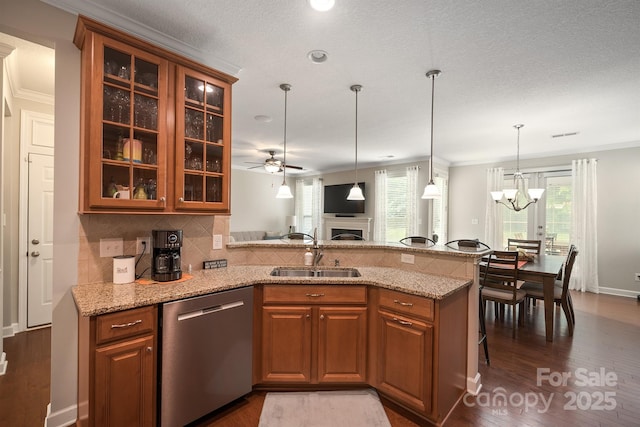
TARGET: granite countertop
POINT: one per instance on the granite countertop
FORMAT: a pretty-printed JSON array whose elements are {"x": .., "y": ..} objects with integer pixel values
[{"x": 99, "y": 298}]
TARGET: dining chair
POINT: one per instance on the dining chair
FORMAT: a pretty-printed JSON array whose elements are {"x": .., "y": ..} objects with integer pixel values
[
  {"x": 417, "y": 241},
  {"x": 468, "y": 245},
  {"x": 529, "y": 246},
  {"x": 561, "y": 293},
  {"x": 347, "y": 236},
  {"x": 498, "y": 282}
]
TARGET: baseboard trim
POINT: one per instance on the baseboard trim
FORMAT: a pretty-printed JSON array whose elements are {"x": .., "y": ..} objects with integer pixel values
[
  {"x": 3, "y": 363},
  {"x": 474, "y": 385},
  {"x": 64, "y": 418},
  {"x": 11, "y": 330},
  {"x": 619, "y": 292}
]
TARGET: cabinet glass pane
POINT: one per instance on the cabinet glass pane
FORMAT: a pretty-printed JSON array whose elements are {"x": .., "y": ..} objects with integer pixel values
[
  {"x": 146, "y": 183},
  {"x": 117, "y": 65},
  {"x": 116, "y": 105},
  {"x": 214, "y": 128},
  {"x": 214, "y": 96},
  {"x": 193, "y": 154},
  {"x": 213, "y": 158},
  {"x": 192, "y": 188},
  {"x": 145, "y": 112},
  {"x": 148, "y": 147},
  {"x": 112, "y": 142},
  {"x": 214, "y": 189},
  {"x": 193, "y": 124},
  {"x": 194, "y": 91},
  {"x": 146, "y": 76},
  {"x": 115, "y": 181}
]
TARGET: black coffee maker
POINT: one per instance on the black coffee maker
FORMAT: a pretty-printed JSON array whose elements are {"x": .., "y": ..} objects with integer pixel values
[{"x": 166, "y": 255}]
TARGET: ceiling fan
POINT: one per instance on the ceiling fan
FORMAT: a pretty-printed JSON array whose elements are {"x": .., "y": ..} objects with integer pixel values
[{"x": 273, "y": 165}]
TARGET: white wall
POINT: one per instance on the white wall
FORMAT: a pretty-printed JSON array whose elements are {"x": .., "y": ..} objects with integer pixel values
[
  {"x": 618, "y": 209},
  {"x": 254, "y": 206},
  {"x": 38, "y": 22}
]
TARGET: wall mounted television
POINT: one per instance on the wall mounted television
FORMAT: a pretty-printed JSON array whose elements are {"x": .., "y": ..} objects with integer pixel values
[{"x": 335, "y": 199}]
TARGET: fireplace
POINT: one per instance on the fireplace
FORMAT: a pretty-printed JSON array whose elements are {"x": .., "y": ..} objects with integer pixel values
[
  {"x": 360, "y": 226},
  {"x": 346, "y": 234}
]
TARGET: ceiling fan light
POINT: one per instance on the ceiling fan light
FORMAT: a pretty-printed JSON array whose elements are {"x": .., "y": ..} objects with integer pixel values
[
  {"x": 284, "y": 192},
  {"x": 355, "y": 193},
  {"x": 431, "y": 191},
  {"x": 272, "y": 167}
]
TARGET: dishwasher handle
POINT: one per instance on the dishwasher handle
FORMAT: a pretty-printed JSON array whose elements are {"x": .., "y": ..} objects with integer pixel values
[{"x": 209, "y": 310}]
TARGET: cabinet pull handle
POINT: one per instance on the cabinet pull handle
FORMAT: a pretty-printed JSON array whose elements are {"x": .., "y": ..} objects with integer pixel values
[
  {"x": 126, "y": 325},
  {"x": 402, "y": 322},
  {"x": 404, "y": 304},
  {"x": 315, "y": 295}
]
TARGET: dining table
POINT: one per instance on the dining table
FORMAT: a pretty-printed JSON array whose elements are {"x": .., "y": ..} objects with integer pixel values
[{"x": 544, "y": 269}]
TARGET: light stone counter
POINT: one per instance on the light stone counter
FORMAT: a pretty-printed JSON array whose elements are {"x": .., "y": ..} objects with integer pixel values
[{"x": 100, "y": 298}]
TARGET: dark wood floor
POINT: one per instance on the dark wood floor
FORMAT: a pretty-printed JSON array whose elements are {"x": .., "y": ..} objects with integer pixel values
[{"x": 606, "y": 339}]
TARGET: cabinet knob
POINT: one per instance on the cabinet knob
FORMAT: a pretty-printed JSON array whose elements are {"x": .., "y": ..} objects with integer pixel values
[
  {"x": 181, "y": 199},
  {"x": 322, "y": 317},
  {"x": 149, "y": 349},
  {"x": 163, "y": 200},
  {"x": 307, "y": 316}
]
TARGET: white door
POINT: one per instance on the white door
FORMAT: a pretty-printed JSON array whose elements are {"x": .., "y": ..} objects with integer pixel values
[{"x": 40, "y": 236}]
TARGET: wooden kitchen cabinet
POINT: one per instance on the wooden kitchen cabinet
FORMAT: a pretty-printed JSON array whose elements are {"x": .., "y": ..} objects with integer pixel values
[
  {"x": 117, "y": 368},
  {"x": 313, "y": 334},
  {"x": 155, "y": 128}
]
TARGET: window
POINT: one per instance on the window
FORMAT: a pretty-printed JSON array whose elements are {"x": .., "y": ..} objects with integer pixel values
[
  {"x": 308, "y": 205},
  {"x": 440, "y": 206},
  {"x": 396, "y": 211}
]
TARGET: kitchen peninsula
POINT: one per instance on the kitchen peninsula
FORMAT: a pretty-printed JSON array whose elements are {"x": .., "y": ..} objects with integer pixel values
[{"x": 404, "y": 325}]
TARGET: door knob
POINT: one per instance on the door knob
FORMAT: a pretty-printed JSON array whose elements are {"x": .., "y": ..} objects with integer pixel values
[
  {"x": 35, "y": 241},
  {"x": 35, "y": 254}
]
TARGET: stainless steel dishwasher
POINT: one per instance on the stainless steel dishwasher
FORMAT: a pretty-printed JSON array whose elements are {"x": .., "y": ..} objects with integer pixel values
[{"x": 206, "y": 355}]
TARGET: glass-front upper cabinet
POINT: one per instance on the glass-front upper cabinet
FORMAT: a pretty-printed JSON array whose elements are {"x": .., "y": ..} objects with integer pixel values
[
  {"x": 126, "y": 162},
  {"x": 203, "y": 140}
]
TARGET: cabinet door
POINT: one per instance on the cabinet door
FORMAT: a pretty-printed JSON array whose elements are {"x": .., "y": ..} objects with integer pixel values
[
  {"x": 342, "y": 344},
  {"x": 286, "y": 344},
  {"x": 405, "y": 360},
  {"x": 125, "y": 383},
  {"x": 203, "y": 142},
  {"x": 125, "y": 127}
]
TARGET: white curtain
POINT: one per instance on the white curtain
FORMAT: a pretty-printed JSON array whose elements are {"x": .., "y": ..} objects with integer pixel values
[
  {"x": 316, "y": 205},
  {"x": 493, "y": 212},
  {"x": 380, "y": 215},
  {"x": 412, "y": 201},
  {"x": 299, "y": 205},
  {"x": 584, "y": 225}
]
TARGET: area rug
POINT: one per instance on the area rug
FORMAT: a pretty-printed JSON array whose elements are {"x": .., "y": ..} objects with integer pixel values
[{"x": 353, "y": 408}]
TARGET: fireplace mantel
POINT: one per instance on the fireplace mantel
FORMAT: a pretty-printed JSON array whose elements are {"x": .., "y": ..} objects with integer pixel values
[{"x": 359, "y": 223}]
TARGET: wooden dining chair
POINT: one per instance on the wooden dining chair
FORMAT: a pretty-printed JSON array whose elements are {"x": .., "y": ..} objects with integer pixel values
[
  {"x": 529, "y": 246},
  {"x": 417, "y": 241},
  {"x": 561, "y": 293},
  {"x": 498, "y": 282}
]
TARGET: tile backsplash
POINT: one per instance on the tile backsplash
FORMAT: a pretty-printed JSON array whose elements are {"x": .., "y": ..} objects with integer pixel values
[{"x": 197, "y": 242}]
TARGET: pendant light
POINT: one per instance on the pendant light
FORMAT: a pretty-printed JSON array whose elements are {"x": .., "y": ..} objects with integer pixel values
[
  {"x": 517, "y": 195},
  {"x": 356, "y": 191},
  {"x": 284, "y": 192},
  {"x": 431, "y": 191}
]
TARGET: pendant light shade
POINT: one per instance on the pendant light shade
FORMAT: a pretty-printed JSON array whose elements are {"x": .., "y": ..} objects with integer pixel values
[
  {"x": 431, "y": 191},
  {"x": 356, "y": 191},
  {"x": 284, "y": 192}
]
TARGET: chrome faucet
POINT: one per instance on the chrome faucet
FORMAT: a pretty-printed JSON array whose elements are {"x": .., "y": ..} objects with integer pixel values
[{"x": 317, "y": 250}]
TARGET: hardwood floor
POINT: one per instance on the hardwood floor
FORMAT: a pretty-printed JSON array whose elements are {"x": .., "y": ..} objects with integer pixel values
[{"x": 605, "y": 350}]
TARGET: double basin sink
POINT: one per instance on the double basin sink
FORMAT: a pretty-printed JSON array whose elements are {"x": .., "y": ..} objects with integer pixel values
[{"x": 316, "y": 272}]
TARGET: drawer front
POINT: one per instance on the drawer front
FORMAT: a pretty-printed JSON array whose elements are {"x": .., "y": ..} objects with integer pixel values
[
  {"x": 305, "y": 294},
  {"x": 124, "y": 324},
  {"x": 407, "y": 304}
]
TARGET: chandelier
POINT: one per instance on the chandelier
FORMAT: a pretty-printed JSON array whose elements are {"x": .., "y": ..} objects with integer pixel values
[{"x": 518, "y": 197}]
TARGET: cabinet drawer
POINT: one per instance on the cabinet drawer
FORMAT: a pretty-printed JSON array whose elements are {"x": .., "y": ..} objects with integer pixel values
[
  {"x": 309, "y": 294},
  {"x": 406, "y": 303},
  {"x": 124, "y": 324}
]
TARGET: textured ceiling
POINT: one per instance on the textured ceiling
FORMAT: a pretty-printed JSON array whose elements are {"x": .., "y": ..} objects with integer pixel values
[{"x": 556, "y": 66}]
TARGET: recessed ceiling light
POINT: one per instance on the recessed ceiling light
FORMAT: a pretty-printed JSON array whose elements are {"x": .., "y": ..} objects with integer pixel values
[
  {"x": 262, "y": 118},
  {"x": 318, "y": 56},
  {"x": 322, "y": 5}
]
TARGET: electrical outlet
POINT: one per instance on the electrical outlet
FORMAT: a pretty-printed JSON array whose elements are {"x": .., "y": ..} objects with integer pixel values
[
  {"x": 141, "y": 242},
  {"x": 407, "y": 258},
  {"x": 111, "y": 247},
  {"x": 217, "y": 241},
  {"x": 637, "y": 277}
]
